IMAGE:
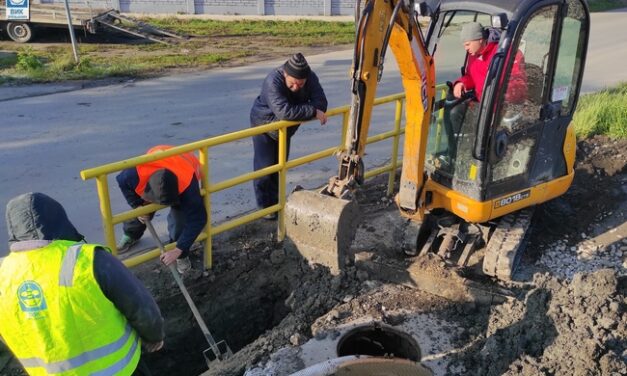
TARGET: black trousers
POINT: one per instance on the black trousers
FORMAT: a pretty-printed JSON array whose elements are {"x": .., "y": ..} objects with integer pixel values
[
  {"x": 266, "y": 153},
  {"x": 453, "y": 120}
]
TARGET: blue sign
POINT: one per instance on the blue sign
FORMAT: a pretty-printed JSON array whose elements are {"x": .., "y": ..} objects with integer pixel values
[{"x": 18, "y": 9}]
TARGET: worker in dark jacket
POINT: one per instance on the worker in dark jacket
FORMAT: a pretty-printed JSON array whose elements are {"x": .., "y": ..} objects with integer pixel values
[
  {"x": 290, "y": 92},
  {"x": 68, "y": 307},
  {"x": 172, "y": 181}
]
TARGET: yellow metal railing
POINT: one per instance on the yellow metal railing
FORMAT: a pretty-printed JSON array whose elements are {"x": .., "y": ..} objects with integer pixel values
[{"x": 109, "y": 219}]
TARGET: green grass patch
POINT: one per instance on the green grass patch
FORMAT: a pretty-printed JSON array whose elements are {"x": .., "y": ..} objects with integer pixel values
[
  {"x": 601, "y": 5},
  {"x": 216, "y": 42},
  {"x": 602, "y": 113},
  {"x": 302, "y": 32}
]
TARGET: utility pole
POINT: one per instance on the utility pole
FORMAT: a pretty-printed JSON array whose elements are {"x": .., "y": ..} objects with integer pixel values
[{"x": 72, "y": 37}]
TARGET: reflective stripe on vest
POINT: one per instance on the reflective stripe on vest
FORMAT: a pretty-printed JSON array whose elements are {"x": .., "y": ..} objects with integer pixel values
[
  {"x": 184, "y": 166},
  {"x": 88, "y": 356},
  {"x": 56, "y": 319}
]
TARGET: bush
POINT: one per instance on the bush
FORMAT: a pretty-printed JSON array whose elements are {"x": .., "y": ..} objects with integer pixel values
[
  {"x": 602, "y": 113},
  {"x": 27, "y": 60}
]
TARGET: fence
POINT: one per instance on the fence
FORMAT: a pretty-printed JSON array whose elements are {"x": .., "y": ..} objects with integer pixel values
[{"x": 109, "y": 219}]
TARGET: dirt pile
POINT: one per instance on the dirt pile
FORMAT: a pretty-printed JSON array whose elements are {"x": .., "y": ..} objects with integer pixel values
[{"x": 576, "y": 328}]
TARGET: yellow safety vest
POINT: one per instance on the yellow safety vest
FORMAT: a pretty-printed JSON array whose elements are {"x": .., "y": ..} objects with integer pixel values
[{"x": 55, "y": 318}]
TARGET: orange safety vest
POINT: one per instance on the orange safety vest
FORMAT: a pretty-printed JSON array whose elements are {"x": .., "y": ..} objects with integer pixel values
[{"x": 184, "y": 166}]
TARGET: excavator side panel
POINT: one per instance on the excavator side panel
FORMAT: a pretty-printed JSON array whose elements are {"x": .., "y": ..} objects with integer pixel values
[{"x": 475, "y": 211}]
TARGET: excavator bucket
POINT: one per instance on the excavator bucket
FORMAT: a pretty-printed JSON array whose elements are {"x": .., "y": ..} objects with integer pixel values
[{"x": 321, "y": 227}]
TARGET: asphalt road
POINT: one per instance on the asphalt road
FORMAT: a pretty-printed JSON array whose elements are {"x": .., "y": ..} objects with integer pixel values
[{"x": 46, "y": 140}]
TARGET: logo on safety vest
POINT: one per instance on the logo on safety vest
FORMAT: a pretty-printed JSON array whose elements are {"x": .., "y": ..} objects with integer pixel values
[{"x": 32, "y": 300}]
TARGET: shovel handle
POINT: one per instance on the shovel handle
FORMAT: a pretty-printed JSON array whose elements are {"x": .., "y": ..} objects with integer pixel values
[{"x": 188, "y": 298}]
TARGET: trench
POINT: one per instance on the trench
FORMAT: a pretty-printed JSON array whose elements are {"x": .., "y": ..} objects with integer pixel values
[{"x": 238, "y": 306}]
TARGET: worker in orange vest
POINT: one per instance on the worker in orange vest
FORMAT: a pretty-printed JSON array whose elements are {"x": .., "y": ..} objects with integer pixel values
[{"x": 172, "y": 181}]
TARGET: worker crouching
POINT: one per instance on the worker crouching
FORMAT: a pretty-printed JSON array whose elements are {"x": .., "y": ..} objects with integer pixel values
[{"x": 171, "y": 181}]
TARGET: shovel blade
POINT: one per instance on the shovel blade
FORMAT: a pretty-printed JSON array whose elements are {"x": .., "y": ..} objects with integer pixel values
[
  {"x": 220, "y": 352},
  {"x": 321, "y": 228}
]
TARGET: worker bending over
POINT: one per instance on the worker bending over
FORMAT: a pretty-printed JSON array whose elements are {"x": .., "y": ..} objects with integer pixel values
[{"x": 172, "y": 181}]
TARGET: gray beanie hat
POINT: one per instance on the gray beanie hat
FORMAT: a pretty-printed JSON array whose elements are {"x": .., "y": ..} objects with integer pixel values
[
  {"x": 472, "y": 31},
  {"x": 297, "y": 66}
]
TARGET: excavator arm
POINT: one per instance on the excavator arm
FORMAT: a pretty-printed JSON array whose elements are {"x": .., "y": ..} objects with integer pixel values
[
  {"x": 321, "y": 225},
  {"x": 383, "y": 24}
]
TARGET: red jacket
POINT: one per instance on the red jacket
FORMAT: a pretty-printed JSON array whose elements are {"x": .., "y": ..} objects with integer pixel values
[{"x": 477, "y": 70}]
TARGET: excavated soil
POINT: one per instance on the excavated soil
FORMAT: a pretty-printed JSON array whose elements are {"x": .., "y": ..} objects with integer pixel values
[{"x": 565, "y": 313}]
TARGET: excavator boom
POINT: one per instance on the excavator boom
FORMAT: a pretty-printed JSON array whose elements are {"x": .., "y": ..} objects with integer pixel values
[{"x": 331, "y": 212}]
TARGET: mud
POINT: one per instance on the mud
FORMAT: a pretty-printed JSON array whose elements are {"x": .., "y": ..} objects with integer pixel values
[
  {"x": 576, "y": 328},
  {"x": 565, "y": 313}
]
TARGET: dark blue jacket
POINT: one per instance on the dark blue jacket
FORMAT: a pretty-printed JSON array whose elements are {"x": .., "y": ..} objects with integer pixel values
[
  {"x": 277, "y": 102},
  {"x": 190, "y": 203}
]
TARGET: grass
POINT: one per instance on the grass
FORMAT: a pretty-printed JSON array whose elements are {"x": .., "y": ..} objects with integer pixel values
[
  {"x": 302, "y": 32},
  {"x": 603, "y": 113},
  {"x": 215, "y": 42}
]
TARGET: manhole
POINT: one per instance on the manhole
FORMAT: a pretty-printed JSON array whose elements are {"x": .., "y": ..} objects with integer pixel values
[{"x": 378, "y": 340}]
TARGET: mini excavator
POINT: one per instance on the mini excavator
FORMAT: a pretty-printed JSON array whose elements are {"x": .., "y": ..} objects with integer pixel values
[{"x": 468, "y": 185}]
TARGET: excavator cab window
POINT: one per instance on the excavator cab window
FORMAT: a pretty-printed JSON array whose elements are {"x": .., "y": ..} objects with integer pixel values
[{"x": 452, "y": 131}]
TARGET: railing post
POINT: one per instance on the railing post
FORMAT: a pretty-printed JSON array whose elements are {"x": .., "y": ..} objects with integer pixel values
[
  {"x": 203, "y": 155},
  {"x": 102, "y": 185},
  {"x": 282, "y": 181},
  {"x": 397, "y": 135}
]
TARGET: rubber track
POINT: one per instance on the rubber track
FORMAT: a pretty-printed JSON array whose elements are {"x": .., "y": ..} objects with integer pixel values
[{"x": 501, "y": 252}]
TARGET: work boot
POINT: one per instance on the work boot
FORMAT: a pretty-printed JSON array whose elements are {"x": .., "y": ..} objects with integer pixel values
[
  {"x": 126, "y": 243},
  {"x": 183, "y": 265}
]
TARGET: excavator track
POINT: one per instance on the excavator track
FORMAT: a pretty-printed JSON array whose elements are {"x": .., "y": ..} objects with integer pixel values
[{"x": 505, "y": 247}]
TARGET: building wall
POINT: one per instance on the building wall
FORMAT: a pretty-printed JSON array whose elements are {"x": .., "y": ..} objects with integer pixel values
[{"x": 232, "y": 7}]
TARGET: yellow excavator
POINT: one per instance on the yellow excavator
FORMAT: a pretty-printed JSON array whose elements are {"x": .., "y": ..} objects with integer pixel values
[{"x": 473, "y": 168}]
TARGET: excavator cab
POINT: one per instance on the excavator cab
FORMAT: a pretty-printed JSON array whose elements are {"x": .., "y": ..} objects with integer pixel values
[
  {"x": 475, "y": 166},
  {"x": 516, "y": 136}
]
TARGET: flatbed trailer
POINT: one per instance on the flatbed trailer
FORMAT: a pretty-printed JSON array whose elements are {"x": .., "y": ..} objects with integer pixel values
[{"x": 90, "y": 20}]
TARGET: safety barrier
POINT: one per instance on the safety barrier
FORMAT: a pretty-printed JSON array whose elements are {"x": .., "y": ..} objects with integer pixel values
[{"x": 109, "y": 219}]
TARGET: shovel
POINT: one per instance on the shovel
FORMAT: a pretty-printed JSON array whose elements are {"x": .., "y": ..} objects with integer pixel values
[{"x": 216, "y": 351}]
